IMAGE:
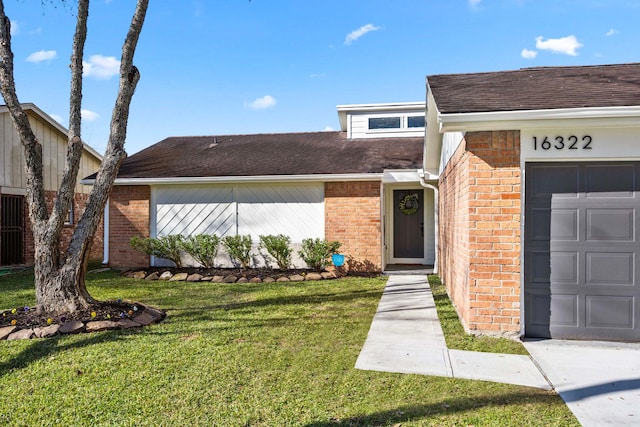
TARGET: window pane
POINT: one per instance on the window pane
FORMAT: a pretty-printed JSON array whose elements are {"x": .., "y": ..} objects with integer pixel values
[
  {"x": 415, "y": 121},
  {"x": 384, "y": 123}
]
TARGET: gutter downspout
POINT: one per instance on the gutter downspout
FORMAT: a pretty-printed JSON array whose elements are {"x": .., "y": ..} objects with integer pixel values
[
  {"x": 435, "y": 219},
  {"x": 105, "y": 239}
]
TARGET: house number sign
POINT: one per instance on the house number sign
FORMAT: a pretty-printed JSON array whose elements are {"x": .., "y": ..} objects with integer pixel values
[{"x": 571, "y": 142}]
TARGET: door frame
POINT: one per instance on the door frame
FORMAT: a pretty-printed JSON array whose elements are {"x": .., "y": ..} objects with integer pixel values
[{"x": 389, "y": 212}]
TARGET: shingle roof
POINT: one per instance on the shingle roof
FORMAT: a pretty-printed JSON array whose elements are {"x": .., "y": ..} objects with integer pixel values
[
  {"x": 272, "y": 154},
  {"x": 538, "y": 89}
]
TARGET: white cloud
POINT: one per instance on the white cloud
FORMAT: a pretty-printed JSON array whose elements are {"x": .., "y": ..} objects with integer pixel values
[
  {"x": 474, "y": 3},
  {"x": 356, "y": 34},
  {"x": 101, "y": 67},
  {"x": 317, "y": 75},
  {"x": 266, "y": 101},
  {"x": 15, "y": 28},
  {"x": 43, "y": 55},
  {"x": 564, "y": 45},
  {"x": 612, "y": 32},
  {"x": 89, "y": 115},
  {"x": 528, "y": 54},
  {"x": 328, "y": 129}
]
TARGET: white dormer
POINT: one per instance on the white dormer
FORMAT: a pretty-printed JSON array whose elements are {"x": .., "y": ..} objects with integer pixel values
[{"x": 387, "y": 120}]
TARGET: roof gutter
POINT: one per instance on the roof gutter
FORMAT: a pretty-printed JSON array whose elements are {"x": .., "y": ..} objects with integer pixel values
[
  {"x": 244, "y": 179},
  {"x": 504, "y": 120}
]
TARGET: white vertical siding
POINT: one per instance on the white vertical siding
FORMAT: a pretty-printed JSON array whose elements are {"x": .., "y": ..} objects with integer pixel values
[
  {"x": 450, "y": 143},
  {"x": 295, "y": 210}
]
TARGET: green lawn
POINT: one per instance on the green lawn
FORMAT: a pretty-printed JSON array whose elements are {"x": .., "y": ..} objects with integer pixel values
[{"x": 240, "y": 355}]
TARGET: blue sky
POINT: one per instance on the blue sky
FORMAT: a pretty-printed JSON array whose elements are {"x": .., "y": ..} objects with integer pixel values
[{"x": 214, "y": 67}]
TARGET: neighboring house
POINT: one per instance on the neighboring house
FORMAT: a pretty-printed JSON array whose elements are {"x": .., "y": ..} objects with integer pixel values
[
  {"x": 539, "y": 198},
  {"x": 345, "y": 185},
  {"x": 16, "y": 239}
]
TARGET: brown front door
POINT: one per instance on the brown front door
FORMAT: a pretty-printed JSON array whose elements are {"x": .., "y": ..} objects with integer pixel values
[{"x": 408, "y": 224}]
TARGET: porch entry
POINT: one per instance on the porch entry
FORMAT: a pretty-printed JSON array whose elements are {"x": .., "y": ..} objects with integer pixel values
[
  {"x": 11, "y": 230},
  {"x": 408, "y": 224}
]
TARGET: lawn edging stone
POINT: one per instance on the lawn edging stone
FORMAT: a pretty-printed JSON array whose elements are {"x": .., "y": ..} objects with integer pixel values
[{"x": 266, "y": 275}]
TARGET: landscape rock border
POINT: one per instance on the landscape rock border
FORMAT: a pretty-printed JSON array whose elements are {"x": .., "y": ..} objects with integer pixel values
[
  {"x": 231, "y": 275},
  {"x": 148, "y": 316}
]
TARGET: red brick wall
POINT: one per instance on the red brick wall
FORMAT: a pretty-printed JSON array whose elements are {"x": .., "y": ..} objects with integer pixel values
[
  {"x": 129, "y": 212},
  {"x": 480, "y": 231},
  {"x": 352, "y": 216},
  {"x": 79, "y": 202}
]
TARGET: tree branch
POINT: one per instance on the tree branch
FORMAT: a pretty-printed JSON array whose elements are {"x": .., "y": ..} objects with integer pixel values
[
  {"x": 75, "y": 146},
  {"x": 32, "y": 148}
]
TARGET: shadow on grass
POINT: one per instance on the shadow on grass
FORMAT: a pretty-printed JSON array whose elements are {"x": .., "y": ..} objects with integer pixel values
[
  {"x": 286, "y": 300},
  {"x": 42, "y": 348},
  {"x": 448, "y": 407}
]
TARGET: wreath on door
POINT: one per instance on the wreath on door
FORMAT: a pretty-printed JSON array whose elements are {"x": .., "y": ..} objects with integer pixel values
[{"x": 409, "y": 204}]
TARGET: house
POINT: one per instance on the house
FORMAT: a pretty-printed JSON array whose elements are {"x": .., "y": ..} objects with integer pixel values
[
  {"x": 360, "y": 185},
  {"x": 16, "y": 239},
  {"x": 538, "y": 176}
]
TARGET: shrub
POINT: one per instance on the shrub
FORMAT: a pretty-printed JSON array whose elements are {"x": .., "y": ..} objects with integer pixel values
[
  {"x": 164, "y": 247},
  {"x": 239, "y": 249},
  {"x": 278, "y": 248},
  {"x": 316, "y": 252},
  {"x": 203, "y": 248}
]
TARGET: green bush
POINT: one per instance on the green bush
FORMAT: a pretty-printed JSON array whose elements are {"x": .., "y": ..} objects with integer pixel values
[
  {"x": 316, "y": 252},
  {"x": 168, "y": 247},
  {"x": 203, "y": 248},
  {"x": 278, "y": 248},
  {"x": 239, "y": 249}
]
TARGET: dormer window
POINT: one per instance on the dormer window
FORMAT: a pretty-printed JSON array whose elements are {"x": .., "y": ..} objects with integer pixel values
[
  {"x": 396, "y": 122},
  {"x": 384, "y": 123},
  {"x": 415, "y": 121}
]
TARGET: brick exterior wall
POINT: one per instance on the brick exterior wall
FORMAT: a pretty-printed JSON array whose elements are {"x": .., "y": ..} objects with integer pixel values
[
  {"x": 79, "y": 202},
  {"x": 129, "y": 212},
  {"x": 479, "y": 231},
  {"x": 352, "y": 216}
]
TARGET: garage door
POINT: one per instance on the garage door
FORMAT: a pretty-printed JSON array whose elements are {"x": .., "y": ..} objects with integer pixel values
[{"x": 582, "y": 249}]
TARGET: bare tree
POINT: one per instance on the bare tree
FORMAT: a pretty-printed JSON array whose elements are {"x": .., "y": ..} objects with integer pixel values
[{"x": 60, "y": 276}]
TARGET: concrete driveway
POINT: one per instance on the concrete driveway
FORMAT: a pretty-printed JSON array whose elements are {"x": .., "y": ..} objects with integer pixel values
[{"x": 599, "y": 381}]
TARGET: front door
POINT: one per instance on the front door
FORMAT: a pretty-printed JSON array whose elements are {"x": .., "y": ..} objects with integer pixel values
[{"x": 408, "y": 226}]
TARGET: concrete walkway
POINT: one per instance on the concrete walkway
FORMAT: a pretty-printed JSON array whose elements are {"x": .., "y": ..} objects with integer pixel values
[
  {"x": 406, "y": 337},
  {"x": 599, "y": 381}
]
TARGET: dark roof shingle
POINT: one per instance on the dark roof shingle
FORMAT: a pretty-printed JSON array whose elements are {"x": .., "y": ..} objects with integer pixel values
[
  {"x": 538, "y": 88},
  {"x": 272, "y": 154}
]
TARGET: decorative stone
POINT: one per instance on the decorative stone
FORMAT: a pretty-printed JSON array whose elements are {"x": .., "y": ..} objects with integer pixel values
[
  {"x": 327, "y": 275},
  {"x": 179, "y": 277},
  {"x": 159, "y": 314},
  {"x": 313, "y": 276},
  {"x": 206, "y": 278},
  {"x": 101, "y": 325},
  {"x": 23, "y": 334},
  {"x": 6, "y": 331},
  {"x": 255, "y": 280},
  {"x": 194, "y": 277},
  {"x": 127, "y": 324},
  {"x": 296, "y": 278},
  {"x": 217, "y": 279},
  {"x": 243, "y": 280},
  {"x": 230, "y": 279},
  {"x": 165, "y": 276},
  {"x": 146, "y": 318},
  {"x": 153, "y": 276},
  {"x": 268, "y": 280},
  {"x": 72, "y": 327},
  {"x": 47, "y": 331},
  {"x": 282, "y": 279},
  {"x": 139, "y": 275}
]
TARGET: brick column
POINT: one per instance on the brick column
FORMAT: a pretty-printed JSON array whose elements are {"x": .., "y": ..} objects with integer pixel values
[
  {"x": 352, "y": 216},
  {"x": 129, "y": 216}
]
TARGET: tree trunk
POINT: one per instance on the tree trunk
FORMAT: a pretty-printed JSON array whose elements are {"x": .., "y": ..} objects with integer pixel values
[{"x": 59, "y": 278}]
